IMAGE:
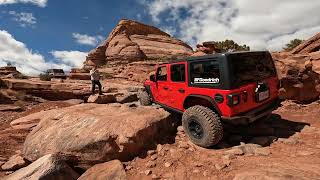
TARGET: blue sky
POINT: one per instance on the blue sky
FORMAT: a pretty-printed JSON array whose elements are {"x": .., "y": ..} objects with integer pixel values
[
  {"x": 39, "y": 34},
  {"x": 60, "y": 19}
]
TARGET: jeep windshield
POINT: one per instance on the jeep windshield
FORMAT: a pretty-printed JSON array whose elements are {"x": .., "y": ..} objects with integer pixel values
[{"x": 250, "y": 67}]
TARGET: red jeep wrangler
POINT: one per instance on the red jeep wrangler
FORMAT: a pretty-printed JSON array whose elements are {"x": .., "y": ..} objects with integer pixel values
[{"x": 239, "y": 87}]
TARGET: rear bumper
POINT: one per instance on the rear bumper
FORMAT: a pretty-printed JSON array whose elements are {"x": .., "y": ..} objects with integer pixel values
[{"x": 255, "y": 114}]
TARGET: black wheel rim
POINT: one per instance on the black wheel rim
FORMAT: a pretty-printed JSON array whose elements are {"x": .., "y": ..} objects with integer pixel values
[{"x": 195, "y": 129}]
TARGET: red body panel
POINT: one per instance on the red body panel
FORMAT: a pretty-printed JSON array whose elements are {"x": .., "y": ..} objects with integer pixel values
[{"x": 173, "y": 98}]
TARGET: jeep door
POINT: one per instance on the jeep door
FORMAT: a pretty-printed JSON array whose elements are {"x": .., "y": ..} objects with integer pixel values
[
  {"x": 178, "y": 85},
  {"x": 161, "y": 88}
]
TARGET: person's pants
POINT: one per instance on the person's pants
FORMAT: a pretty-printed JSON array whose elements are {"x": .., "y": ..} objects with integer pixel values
[{"x": 94, "y": 83}]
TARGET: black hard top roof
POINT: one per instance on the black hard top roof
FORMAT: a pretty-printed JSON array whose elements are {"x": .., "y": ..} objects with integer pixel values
[{"x": 211, "y": 56}]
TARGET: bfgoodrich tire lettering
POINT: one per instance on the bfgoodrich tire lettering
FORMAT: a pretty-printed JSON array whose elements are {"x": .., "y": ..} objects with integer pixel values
[
  {"x": 202, "y": 125},
  {"x": 144, "y": 98}
]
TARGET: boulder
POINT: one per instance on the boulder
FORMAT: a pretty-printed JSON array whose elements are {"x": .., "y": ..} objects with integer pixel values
[
  {"x": 127, "y": 97},
  {"x": 110, "y": 170},
  {"x": 298, "y": 75},
  {"x": 102, "y": 99},
  {"x": 15, "y": 162},
  {"x": 89, "y": 134},
  {"x": 119, "y": 97},
  {"x": 206, "y": 48},
  {"x": 133, "y": 41},
  {"x": 49, "y": 167}
]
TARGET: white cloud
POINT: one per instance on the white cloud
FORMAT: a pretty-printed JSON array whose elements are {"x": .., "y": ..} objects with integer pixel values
[
  {"x": 24, "y": 19},
  {"x": 19, "y": 55},
  {"x": 70, "y": 58},
  {"x": 86, "y": 39},
  {"x": 170, "y": 30},
  {"x": 31, "y": 63},
  {"x": 260, "y": 24},
  {"x": 40, "y": 3}
]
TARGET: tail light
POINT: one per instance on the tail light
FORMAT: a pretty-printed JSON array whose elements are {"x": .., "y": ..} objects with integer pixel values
[
  {"x": 245, "y": 96},
  {"x": 278, "y": 85},
  {"x": 233, "y": 99}
]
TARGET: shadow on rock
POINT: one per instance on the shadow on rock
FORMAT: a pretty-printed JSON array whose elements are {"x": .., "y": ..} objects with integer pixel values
[{"x": 263, "y": 132}]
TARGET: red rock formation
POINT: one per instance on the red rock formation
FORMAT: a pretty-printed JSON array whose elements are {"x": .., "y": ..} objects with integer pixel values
[
  {"x": 308, "y": 46},
  {"x": 79, "y": 74},
  {"x": 134, "y": 41},
  {"x": 299, "y": 74},
  {"x": 205, "y": 48},
  {"x": 8, "y": 70}
]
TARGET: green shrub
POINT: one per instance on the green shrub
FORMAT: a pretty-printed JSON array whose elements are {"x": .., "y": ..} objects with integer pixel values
[{"x": 292, "y": 44}]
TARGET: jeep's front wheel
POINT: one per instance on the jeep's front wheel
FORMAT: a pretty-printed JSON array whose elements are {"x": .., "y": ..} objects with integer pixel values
[
  {"x": 144, "y": 98},
  {"x": 202, "y": 125}
]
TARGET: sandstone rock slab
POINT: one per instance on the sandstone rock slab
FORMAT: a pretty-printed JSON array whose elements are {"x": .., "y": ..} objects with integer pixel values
[
  {"x": 48, "y": 167},
  {"x": 94, "y": 133},
  {"x": 15, "y": 162},
  {"x": 308, "y": 46},
  {"x": 29, "y": 122},
  {"x": 5, "y": 108},
  {"x": 110, "y": 170}
]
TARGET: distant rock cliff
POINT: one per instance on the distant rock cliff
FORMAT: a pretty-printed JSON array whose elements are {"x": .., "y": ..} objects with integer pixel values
[
  {"x": 309, "y": 46},
  {"x": 134, "y": 41}
]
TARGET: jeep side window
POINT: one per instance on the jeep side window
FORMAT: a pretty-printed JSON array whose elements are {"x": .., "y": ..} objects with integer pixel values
[
  {"x": 162, "y": 73},
  {"x": 178, "y": 73},
  {"x": 205, "y": 73}
]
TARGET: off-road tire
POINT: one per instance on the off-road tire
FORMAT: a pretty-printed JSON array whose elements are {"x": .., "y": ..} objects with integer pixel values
[
  {"x": 209, "y": 122},
  {"x": 144, "y": 98}
]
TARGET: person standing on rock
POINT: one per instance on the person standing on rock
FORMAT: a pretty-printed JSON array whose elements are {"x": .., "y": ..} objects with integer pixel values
[{"x": 95, "y": 80}]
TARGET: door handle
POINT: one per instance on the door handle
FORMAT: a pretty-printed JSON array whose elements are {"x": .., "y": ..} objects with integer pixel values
[
  {"x": 181, "y": 90},
  {"x": 165, "y": 88}
]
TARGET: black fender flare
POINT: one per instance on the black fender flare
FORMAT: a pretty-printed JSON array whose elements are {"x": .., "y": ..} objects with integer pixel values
[
  {"x": 208, "y": 98},
  {"x": 148, "y": 89}
]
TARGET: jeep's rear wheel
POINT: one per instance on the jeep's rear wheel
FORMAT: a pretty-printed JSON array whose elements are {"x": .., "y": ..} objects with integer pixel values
[
  {"x": 202, "y": 125},
  {"x": 144, "y": 98}
]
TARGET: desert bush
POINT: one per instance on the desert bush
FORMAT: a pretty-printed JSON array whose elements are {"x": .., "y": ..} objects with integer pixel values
[
  {"x": 230, "y": 46},
  {"x": 292, "y": 44}
]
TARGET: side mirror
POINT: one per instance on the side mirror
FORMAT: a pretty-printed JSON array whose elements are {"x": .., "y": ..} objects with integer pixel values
[{"x": 153, "y": 78}]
